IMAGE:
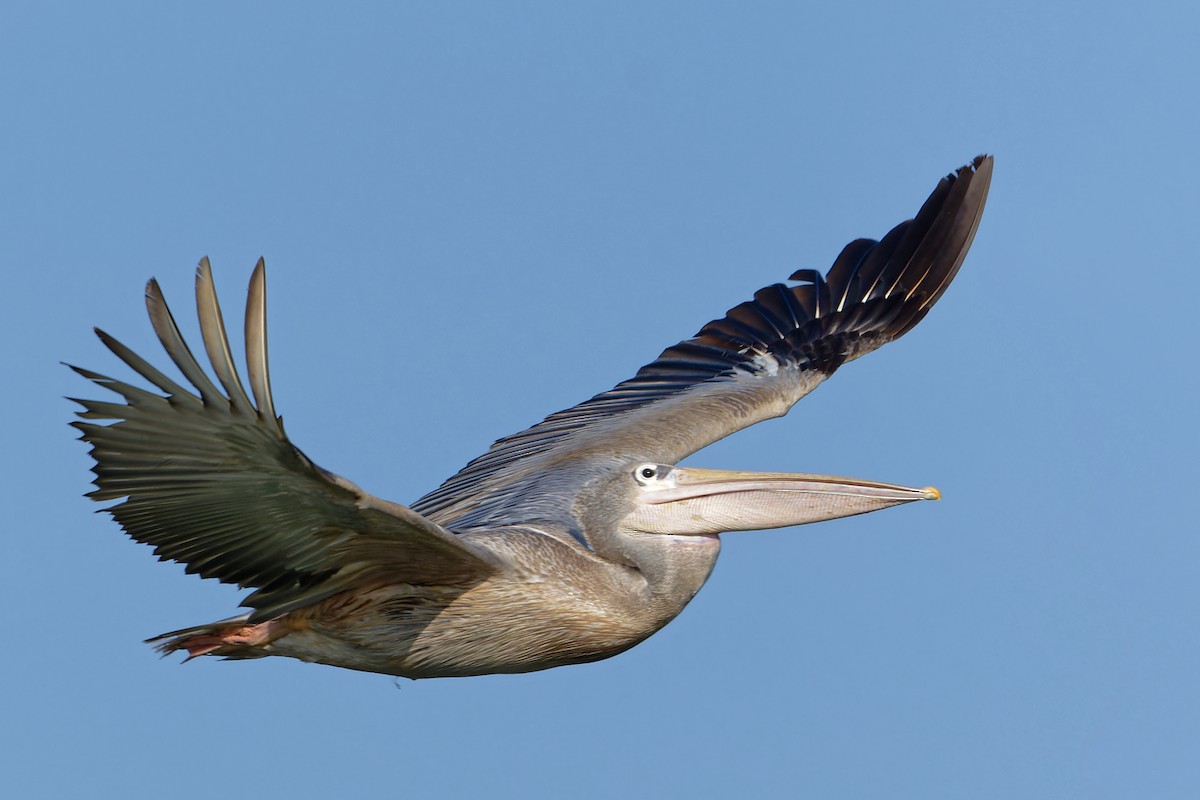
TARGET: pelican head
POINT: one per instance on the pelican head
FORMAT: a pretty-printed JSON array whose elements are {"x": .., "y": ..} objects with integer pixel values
[{"x": 663, "y": 521}]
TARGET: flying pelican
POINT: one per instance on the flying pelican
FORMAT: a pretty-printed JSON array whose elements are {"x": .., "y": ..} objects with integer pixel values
[{"x": 568, "y": 542}]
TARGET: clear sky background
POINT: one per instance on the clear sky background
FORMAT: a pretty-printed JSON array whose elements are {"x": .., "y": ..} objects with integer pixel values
[{"x": 475, "y": 214}]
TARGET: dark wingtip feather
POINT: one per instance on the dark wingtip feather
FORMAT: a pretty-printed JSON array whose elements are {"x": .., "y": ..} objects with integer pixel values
[
  {"x": 874, "y": 292},
  {"x": 918, "y": 258}
]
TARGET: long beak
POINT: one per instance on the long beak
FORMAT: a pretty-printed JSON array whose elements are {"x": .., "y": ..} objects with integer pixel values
[{"x": 703, "y": 501}]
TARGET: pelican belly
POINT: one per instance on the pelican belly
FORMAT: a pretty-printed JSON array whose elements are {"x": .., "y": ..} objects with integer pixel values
[
  {"x": 412, "y": 632},
  {"x": 531, "y": 618}
]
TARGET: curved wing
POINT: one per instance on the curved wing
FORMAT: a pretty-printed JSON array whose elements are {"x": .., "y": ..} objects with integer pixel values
[
  {"x": 210, "y": 479},
  {"x": 751, "y": 365}
]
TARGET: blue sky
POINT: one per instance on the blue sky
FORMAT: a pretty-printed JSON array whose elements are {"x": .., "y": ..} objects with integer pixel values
[{"x": 477, "y": 214}]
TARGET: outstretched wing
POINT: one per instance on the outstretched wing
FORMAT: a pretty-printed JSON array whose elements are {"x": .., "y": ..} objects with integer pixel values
[
  {"x": 210, "y": 479},
  {"x": 751, "y": 365}
]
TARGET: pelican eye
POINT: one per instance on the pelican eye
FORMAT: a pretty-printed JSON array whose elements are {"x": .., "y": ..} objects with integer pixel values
[{"x": 646, "y": 473}]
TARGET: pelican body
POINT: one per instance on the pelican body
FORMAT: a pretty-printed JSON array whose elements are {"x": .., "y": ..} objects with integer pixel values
[{"x": 568, "y": 542}]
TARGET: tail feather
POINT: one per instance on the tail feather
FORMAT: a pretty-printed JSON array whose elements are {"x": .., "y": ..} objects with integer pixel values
[{"x": 231, "y": 638}]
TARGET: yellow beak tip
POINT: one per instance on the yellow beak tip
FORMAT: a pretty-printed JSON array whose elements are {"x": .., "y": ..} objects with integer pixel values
[{"x": 932, "y": 493}]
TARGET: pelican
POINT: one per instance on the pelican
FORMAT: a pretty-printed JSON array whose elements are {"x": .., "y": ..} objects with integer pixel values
[{"x": 569, "y": 542}]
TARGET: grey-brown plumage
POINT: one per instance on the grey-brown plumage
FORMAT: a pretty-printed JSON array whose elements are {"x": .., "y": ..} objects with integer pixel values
[{"x": 567, "y": 542}]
